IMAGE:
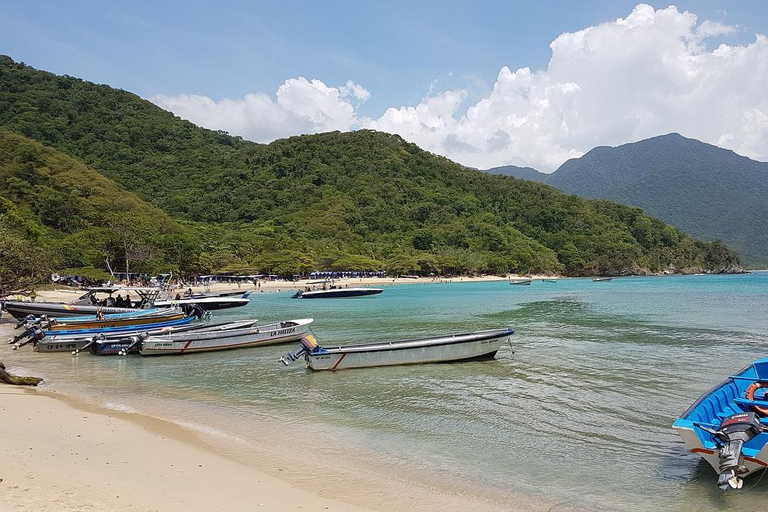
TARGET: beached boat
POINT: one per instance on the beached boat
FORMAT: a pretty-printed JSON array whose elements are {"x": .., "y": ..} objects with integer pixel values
[
  {"x": 103, "y": 298},
  {"x": 77, "y": 342},
  {"x": 34, "y": 334},
  {"x": 599, "y": 279},
  {"x": 520, "y": 280},
  {"x": 141, "y": 317},
  {"x": 439, "y": 349},
  {"x": 185, "y": 343},
  {"x": 727, "y": 425},
  {"x": 332, "y": 293},
  {"x": 122, "y": 345},
  {"x": 95, "y": 299}
]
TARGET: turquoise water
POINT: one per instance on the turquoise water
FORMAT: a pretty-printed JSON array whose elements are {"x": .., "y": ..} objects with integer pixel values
[{"x": 576, "y": 411}]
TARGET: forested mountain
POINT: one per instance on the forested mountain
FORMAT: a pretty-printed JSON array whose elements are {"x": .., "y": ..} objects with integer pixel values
[
  {"x": 362, "y": 200},
  {"x": 709, "y": 192}
]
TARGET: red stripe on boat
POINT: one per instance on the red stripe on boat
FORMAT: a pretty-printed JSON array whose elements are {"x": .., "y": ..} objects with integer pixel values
[
  {"x": 703, "y": 450},
  {"x": 338, "y": 362},
  {"x": 756, "y": 461},
  {"x": 185, "y": 347}
]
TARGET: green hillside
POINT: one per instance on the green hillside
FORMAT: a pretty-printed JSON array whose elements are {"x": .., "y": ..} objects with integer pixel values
[
  {"x": 55, "y": 213},
  {"x": 362, "y": 200}
]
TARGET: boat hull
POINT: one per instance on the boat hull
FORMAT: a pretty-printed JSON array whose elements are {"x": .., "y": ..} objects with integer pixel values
[
  {"x": 339, "y": 293},
  {"x": 20, "y": 310},
  {"x": 159, "y": 324},
  {"x": 453, "y": 348},
  {"x": 206, "y": 303},
  {"x": 167, "y": 315},
  {"x": 272, "y": 334},
  {"x": 120, "y": 345}
]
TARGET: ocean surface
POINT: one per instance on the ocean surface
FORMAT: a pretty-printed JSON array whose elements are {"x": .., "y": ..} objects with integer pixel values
[{"x": 576, "y": 411}]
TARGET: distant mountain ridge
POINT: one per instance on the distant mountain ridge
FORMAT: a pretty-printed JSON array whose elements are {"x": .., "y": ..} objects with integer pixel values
[
  {"x": 525, "y": 173},
  {"x": 710, "y": 192}
]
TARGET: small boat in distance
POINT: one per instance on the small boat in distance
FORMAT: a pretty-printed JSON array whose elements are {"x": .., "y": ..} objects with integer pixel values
[
  {"x": 205, "y": 303},
  {"x": 598, "y": 279},
  {"x": 549, "y": 280},
  {"x": 520, "y": 280},
  {"x": 439, "y": 349},
  {"x": 332, "y": 293},
  {"x": 728, "y": 425}
]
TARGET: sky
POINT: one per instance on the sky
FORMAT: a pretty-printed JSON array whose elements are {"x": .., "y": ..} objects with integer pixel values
[{"x": 485, "y": 83}]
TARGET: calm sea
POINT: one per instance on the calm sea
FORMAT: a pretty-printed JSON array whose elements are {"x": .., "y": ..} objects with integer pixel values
[{"x": 575, "y": 411}]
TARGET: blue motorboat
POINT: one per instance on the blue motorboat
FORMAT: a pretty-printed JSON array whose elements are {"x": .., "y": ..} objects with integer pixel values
[
  {"x": 728, "y": 425},
  {"x": 34, "y": 334},
  {"x": 123, "y": 328}
]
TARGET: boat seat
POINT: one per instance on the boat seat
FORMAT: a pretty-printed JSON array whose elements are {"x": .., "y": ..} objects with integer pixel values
[
  {"x": 758, "y": 403},
  {"x": 750, "y": 379}
]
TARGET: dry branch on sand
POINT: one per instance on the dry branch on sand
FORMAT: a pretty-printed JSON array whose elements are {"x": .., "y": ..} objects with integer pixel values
[{"x": 18, "y": 381}]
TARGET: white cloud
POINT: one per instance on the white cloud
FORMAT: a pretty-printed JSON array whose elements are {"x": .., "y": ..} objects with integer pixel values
[
  {"x": 301, "y": 106},
  {"x": 355, "y": 90},
  {"x": 621, "y": 81}
]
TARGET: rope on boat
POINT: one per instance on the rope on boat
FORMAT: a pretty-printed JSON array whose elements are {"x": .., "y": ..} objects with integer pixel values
[{"x": 758, "y": 480}]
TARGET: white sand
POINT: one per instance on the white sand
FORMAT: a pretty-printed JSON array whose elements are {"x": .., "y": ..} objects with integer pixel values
[{"x": 59, "y": 457}]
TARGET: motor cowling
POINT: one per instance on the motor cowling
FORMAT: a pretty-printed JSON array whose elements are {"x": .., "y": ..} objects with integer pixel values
[{"x": 734, "y": 431}]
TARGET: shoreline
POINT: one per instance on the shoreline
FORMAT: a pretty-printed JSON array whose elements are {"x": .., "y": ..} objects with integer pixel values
[
  {"x": 64, "y": 294},
  {"x": 94, "y": 455},
  {"x": 52, "y": 293}
]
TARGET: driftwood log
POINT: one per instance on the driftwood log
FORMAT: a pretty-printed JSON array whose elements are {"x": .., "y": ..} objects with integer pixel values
[{"x": 18, "y": 381}]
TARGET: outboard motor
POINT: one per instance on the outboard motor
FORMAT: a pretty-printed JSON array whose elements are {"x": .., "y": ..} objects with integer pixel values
[
  {"x": 135, "y": 342},
  {"x": 193, "y": 310},
  {"x": 308, "y": 346},
  {"x": 26, "y": 319},
  {"x": 32, "y": 332},
  {"x": 94, "y": 339},
  {"x": 734, "y": 431}
]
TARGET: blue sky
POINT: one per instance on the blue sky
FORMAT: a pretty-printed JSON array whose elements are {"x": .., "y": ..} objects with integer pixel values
[{"x": 399, "y": 52}]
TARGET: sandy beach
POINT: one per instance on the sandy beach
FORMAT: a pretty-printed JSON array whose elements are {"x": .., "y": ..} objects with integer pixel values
[{"x": 60, "y": 455}]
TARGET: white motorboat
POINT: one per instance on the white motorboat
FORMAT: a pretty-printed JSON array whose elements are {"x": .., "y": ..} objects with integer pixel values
[
  {"x": 439, "y": 349},
  {"x": 206, "y": 303},
  {"x": 339, "y": 292},
  {"x": 184, "y": 343}
]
